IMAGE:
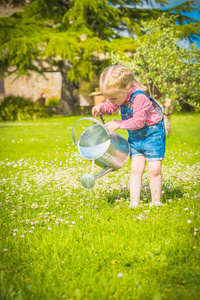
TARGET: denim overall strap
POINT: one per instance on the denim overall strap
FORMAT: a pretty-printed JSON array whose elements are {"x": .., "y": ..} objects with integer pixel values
[{"x": 155, "y": 104}]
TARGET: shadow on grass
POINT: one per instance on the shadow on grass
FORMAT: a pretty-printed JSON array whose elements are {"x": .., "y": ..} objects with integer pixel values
[
  {"x": 171, "y": 192},
  {"x": 168, "y": 192}
]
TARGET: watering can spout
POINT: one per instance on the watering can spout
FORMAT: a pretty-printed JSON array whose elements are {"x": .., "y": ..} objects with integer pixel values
[{"x": 103, "y": 172}]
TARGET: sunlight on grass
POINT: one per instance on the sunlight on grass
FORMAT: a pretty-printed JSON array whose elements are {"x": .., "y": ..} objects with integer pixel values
[{"x": 61, "y": 241}]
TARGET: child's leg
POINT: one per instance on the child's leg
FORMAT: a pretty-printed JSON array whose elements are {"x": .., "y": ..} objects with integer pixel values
[
  {"x": 137, "y": 169},
  {"x": 154, "y": 169}
]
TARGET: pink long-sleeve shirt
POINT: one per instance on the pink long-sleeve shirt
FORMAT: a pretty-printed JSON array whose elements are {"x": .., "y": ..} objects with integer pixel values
[{"x": 143, "y": 111}]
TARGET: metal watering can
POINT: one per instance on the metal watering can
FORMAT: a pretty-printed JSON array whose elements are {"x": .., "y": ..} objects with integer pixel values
[{"x": 106, "y": 149}]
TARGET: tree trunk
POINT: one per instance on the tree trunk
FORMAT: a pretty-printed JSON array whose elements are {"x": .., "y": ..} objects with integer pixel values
[
  {"x": 167, "y": 122},
  {"x": 67, "y": 98}
]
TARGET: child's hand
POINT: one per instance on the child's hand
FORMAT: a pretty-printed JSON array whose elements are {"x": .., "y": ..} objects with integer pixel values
[
  {"x": 113, "y": 125},
  {"x": 96, "y": 111}
]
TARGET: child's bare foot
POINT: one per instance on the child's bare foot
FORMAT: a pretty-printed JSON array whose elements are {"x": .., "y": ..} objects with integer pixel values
[{"x": 133, "y": 205}]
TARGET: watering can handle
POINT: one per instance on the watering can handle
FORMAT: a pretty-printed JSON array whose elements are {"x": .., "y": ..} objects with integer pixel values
[
  {"x": 94, "y": 121},
  {"x": 102, "y": 119}
]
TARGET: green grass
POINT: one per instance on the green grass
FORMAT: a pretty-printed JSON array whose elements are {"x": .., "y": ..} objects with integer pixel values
[{"x": 60, "y": 241}]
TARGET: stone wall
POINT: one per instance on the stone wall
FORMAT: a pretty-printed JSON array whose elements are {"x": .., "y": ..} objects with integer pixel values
[{"x": 32, "y": 86}]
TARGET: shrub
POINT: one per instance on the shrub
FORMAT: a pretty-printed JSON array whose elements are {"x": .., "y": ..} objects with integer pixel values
[
  {"x": 54, "y": 101},
  {"x": 18, "y": 108}
]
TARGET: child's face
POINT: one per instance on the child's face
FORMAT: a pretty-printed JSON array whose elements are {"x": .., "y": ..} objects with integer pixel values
[{"x": 116, "y": 97}]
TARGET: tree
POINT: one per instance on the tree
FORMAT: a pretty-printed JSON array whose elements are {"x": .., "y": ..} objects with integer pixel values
[
  {"x": 168, "y": 70},
  {"x": 69, "y": 35}
]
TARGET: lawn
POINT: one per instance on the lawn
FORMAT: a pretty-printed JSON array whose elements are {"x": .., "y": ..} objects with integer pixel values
[{"x": 61, "y": 241}]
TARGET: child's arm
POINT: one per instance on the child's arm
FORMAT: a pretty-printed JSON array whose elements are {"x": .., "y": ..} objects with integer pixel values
[
  {"x": 104, "y": 108},
  {"x": 142, "y": 108}
]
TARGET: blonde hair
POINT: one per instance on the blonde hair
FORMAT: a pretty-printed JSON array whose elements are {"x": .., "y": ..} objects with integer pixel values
[{"x": 117, "y": 76}]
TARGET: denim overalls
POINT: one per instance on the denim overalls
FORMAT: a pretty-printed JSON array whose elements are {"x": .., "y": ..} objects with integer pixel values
[{"x": 149, "y": 140}]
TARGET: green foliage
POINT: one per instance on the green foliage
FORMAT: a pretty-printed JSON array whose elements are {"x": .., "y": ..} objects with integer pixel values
[
  {"x": 18, "y": 108},
  {"x": 48, "y": 33},
  {"x": 187, "y": 6},
  {"x": 52, "y": 31},
  {"x": 160, "y": 63},
  {"x": 52, "y": 101}
]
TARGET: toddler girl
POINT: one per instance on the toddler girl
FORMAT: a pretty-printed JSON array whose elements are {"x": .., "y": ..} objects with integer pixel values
[{"x": 143, "y": 118}]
